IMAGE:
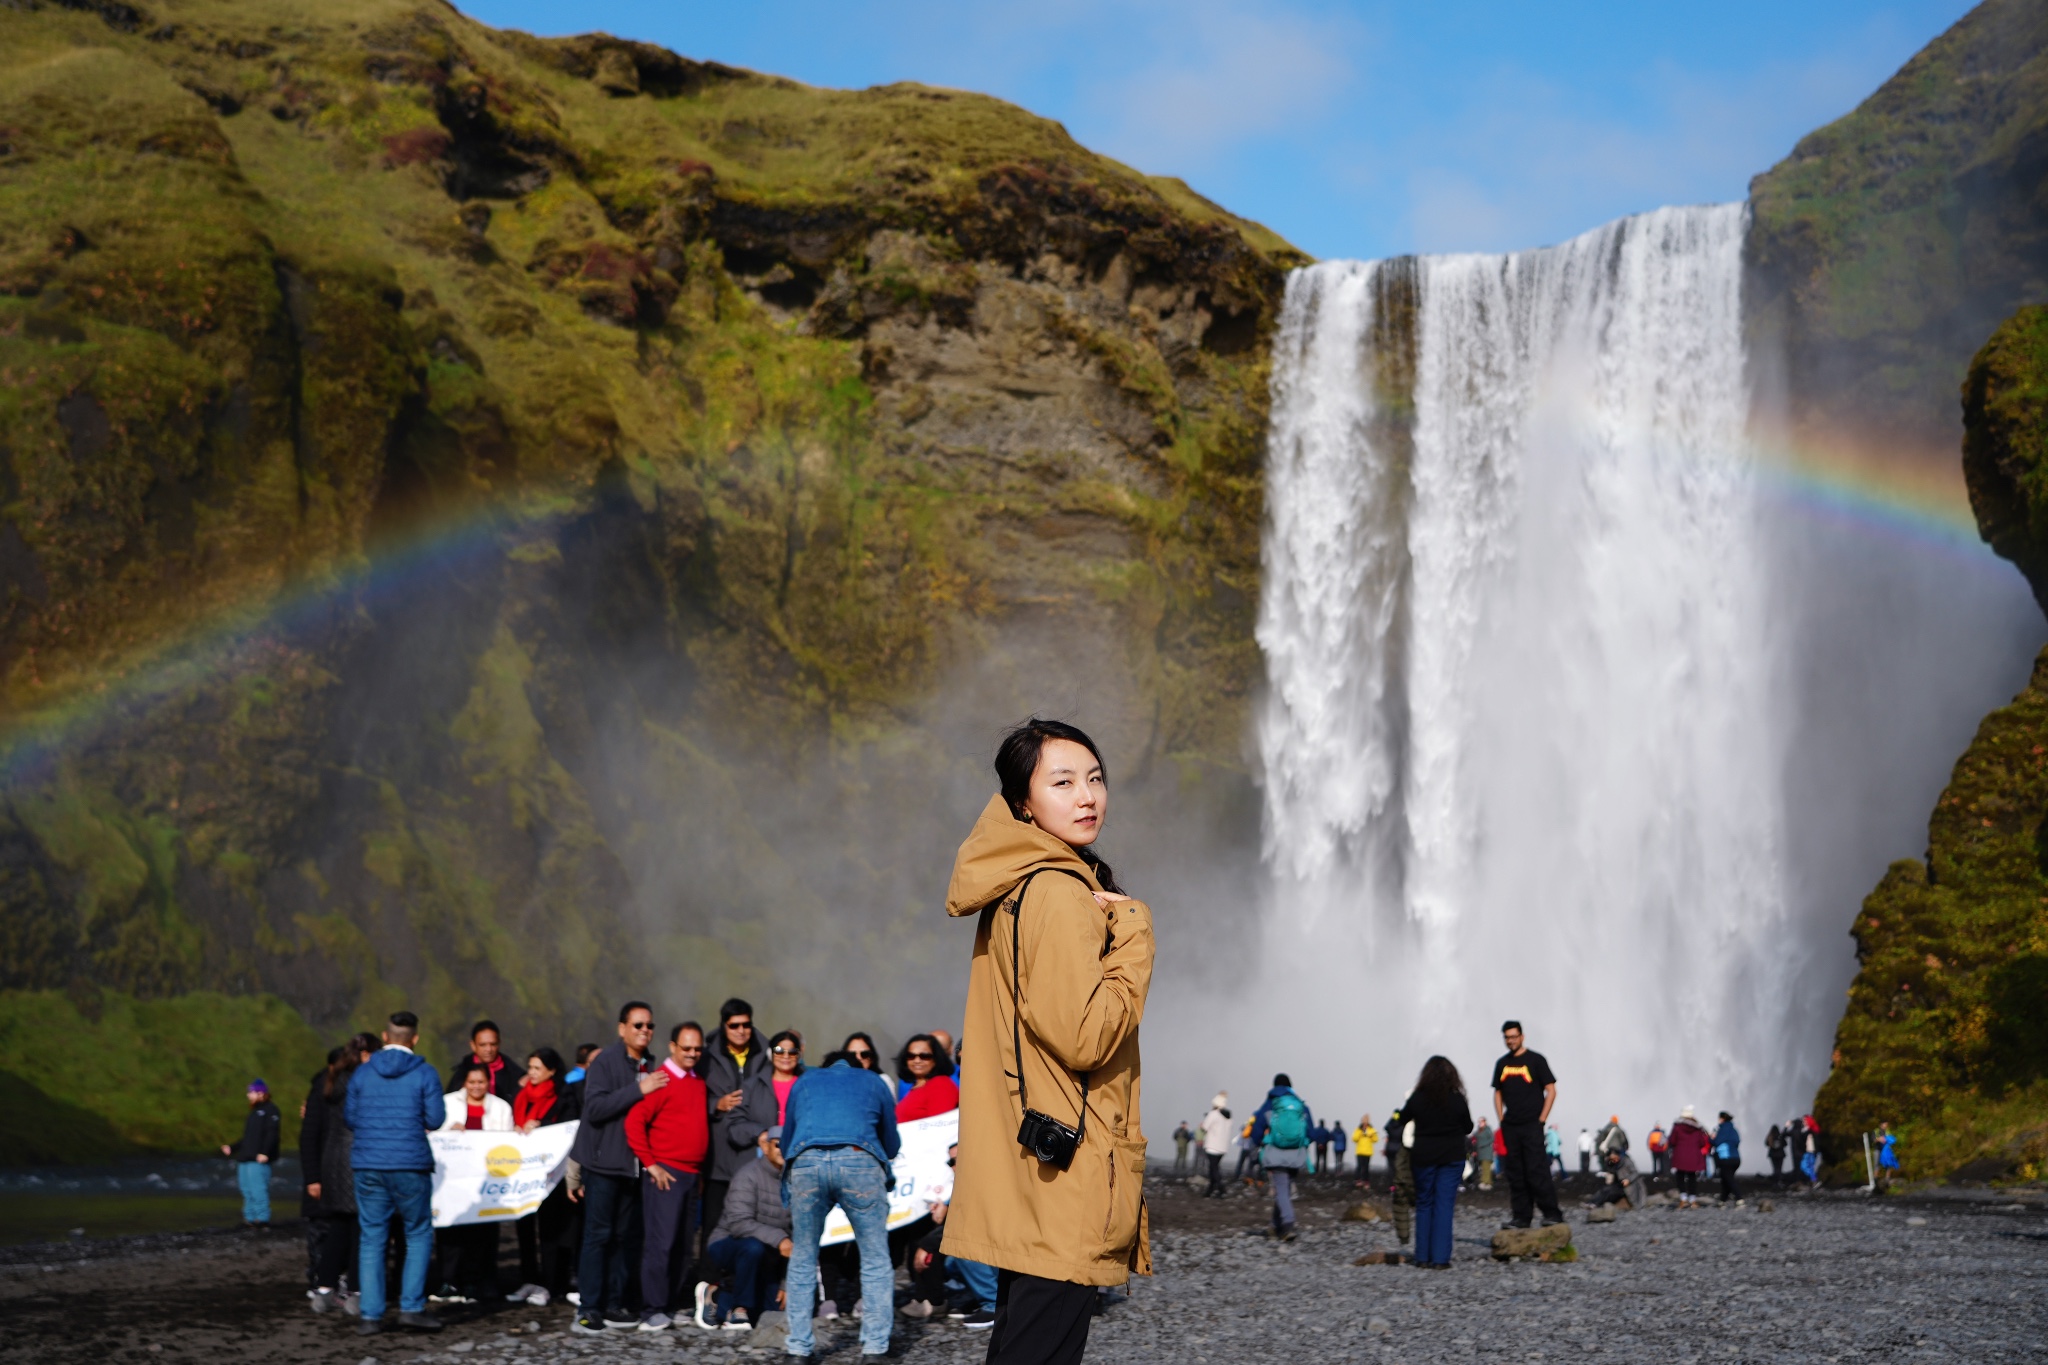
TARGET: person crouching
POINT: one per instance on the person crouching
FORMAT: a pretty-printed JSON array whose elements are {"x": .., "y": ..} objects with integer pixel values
[{"x": 751, "y": 1245}]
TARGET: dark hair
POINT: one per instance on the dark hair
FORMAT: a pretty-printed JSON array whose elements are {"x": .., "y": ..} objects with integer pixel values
[
  {"x": 1280, "y": 1078},
  {"x": 626, "y": 1010},
  {"x": 677, "y": 1031},
  {"x": 942, "y": 1065},
  {"x": 1439, "y": 1081},
  {"x": 358, "y": 1047},
  {"x": 405, "y": 1021},
  {"x": 1514, "y": 1024},
  {"x": 549, "y": 1058},
  {"x": 480, "y": 1025},
  {"x": 732, "y": 1007},
  {"x": 335, "y": 1054},
  {"x": 791, "y": 1034},
  {"x": 583, "y": 1051},
  {"x": 835, "y": 1058},
  {"x": 467, "y": 1069},
  {"x": 873, "y": 1061},
  {"x": 1017, "y": 760}
]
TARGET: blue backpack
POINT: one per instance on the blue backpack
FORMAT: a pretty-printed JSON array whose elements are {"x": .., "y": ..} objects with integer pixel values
[{"x": 1287, "y": 1123}]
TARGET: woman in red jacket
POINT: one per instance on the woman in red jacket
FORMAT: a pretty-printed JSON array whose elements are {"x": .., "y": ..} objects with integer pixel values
[
  {"x": 1689, "y": 1143},
  {"x": 924, "y": 1064}
]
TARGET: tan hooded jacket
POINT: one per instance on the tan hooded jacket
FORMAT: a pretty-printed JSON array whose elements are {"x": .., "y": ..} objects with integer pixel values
[{"x": 1086, "y": 969}]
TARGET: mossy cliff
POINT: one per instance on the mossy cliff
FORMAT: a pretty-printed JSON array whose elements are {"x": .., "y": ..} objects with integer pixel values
[
  {"x": 1888, "y": 244},
  {"x": 1944, "y": 1027},
  {"x": 470, "y": 505}
]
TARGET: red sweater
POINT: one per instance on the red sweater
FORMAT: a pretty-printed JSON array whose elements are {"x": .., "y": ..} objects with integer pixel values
[
  {"x": 936, "y": 1096},
  {"x": 672, "y": 1127}
]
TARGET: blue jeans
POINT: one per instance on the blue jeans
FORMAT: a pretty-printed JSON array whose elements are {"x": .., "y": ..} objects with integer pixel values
[
  {"x": 753, "y": 1266},
  {"x": 379, "y": 1196},
  {"x": 1436, "y": 1197},
  {"x": 847, "y": 1176},
  {"x": 1283, "y": 1198},
  {"x": 980, "y": 1280},
  {"x": 254, "y": 1179}
]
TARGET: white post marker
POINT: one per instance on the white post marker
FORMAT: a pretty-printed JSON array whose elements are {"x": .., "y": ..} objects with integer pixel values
[{"x": 1869, "y": 1167}]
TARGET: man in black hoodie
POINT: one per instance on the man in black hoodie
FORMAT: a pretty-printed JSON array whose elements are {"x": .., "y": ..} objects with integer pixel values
[
  {"x": 255, "y": 1152},
  {"x": 484, "y": 1050},
  {"x": 615, "y": 1080},
  {"x": 731, "y": 1059}
]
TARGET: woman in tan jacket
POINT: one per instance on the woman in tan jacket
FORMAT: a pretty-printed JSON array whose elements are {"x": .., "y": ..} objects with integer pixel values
[{"x": 1065, "y": 1214}]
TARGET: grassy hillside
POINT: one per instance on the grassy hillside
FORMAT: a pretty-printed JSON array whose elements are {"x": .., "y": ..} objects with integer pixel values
[
  {"x": 485, "y": 520},
  {"x": 1889, "y": 243},
  {"x": 1942, "y": 1036}
]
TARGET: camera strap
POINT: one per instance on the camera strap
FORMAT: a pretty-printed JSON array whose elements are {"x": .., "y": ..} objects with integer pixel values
[{"x": 1017, "y": 1015}]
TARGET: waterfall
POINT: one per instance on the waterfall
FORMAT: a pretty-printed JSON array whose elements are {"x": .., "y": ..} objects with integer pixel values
[{"x": 1523, "y": 730}]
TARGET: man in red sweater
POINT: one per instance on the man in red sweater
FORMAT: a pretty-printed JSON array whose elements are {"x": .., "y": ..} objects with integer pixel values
[{"x": 670, "y": 1132}]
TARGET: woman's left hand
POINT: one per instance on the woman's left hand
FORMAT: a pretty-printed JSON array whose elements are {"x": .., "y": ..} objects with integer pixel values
[{"x": 1105, "y": 899}]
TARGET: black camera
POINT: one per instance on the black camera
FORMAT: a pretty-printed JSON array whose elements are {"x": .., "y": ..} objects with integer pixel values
[{"x": 1048, "y": 1139}]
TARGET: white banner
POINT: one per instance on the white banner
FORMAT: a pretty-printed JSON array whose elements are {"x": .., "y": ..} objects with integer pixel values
[
  {"x": 494, "y": 1177},
  {"x": 922, "y": 1176}
]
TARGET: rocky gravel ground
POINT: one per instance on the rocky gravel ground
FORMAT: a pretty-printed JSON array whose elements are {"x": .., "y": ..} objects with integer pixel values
[{"x": 1817, "y": 1278}]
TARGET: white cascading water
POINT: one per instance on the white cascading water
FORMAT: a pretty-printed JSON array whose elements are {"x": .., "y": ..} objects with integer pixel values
[{"x": 1522, "y": 736}]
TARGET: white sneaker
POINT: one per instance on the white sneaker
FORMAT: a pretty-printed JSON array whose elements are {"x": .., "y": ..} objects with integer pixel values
[
  {"x": 704, "y": 1293},
  {"x": 736, "y": 1323},
  {"x": 539, "y": 1297},
  {"x": 520, "y": 1294},
  {"x": 575, "y": 1297},
  {"x": 656, "y": 1322}
]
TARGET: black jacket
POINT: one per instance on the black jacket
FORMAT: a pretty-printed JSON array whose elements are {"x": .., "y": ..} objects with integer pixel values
[
  {"x": 1440, "y": 1129},
  {"x": 729, "y": 1149},
  {"x": 611, "y": 1086},
  {"x": 262, "y": 1132},
  {"x": 325, "y": 1143}
]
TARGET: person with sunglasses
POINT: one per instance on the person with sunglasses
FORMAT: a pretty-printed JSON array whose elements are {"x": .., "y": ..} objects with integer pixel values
[
  {"x": 617, "y": 1078},
  {"x": 929, "y": 1072},
  {"x": 732, "y": 1057},
  {"x": 767, "y": 1092}
]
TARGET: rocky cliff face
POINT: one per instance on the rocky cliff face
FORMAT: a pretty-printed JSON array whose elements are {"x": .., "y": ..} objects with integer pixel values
[
  {"x": 1891, "y": 242},
  {"x": 471, "y": 502},
  {"x": 1942, "y": 1033}
]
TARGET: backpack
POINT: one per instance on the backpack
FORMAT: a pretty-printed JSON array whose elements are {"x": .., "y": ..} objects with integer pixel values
[{"x": 1287, "y": 1123}]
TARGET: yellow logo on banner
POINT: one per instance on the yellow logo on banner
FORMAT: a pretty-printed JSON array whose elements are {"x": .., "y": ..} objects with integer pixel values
[{"x": 502, "y": 1161}]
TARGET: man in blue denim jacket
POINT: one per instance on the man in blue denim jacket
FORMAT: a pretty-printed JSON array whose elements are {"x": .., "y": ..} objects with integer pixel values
[{"x": 838, "y": 1138}]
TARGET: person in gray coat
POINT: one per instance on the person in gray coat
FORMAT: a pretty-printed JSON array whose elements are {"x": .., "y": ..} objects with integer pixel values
[
  {"x": 751, "y": 1245},
  {"x": 732, "y": 1058}
]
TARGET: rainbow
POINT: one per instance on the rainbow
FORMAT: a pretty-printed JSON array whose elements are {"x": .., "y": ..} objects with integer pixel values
[
  {"x": 1907, "y": 497},
  {"x": 227, "y": 634}
]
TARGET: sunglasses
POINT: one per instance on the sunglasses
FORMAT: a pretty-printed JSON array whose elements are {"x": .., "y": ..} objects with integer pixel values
[
  {"x": 642, "y": 1028},
  {"x": 919, "y": 1056},
  {"x": 786, "y": 1051},
  {"x": 739, "y": 1026},
  {"x": 859, "y": 1052}
]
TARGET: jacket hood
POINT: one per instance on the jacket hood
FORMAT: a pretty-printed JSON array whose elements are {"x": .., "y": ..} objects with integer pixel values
[
  {"x": 1001, "y": 851},
  {"x": 391, "y": 1063}
]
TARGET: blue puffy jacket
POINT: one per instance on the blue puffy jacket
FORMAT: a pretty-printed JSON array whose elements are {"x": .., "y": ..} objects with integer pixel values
[
  {"x": 394, "y": 1097},
  {"x": 1727, "y": 1144},
  {"x": 837, "y": 1106}
]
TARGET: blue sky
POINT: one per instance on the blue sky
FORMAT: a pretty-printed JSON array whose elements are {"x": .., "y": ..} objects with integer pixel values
[{"x": 1353, "y": 129}]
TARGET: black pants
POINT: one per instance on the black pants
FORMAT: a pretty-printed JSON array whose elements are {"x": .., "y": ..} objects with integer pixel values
[
  {"x": 1529, "y": 1185},
  {"x": 338, "y": 1233},
  {"x": 1688, "y": 1183},
  {"x": 667, "y": 1216},
  {"x": 710, "y": 1208},
  {"x": 1215, "y": 1190},
  {"x": 559, "y": 1225},
  {"x": 1726, "y": 1170},
  {"x": 1364, "y": 1168},
  {"x": 1039, "y": 1321},
  {"x": 611, "y": 1244}
]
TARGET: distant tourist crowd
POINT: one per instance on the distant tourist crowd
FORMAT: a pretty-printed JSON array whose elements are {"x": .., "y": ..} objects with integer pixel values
[{"x": 1433, "y": 1149}]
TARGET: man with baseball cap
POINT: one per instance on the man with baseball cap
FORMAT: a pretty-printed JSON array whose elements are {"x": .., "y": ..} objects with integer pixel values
[{"x": 255, "y": 1152}]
